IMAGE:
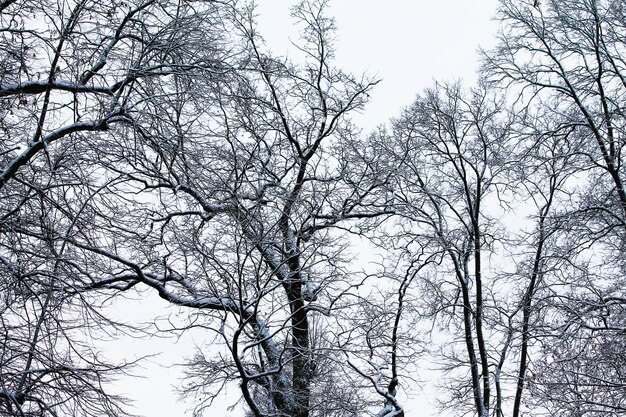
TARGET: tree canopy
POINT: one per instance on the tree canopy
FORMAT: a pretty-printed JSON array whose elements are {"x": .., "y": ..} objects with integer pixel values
[{"x": 160, "y": 147}]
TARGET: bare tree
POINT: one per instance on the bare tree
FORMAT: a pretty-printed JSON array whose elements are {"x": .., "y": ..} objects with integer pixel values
[
  {"x": 569, "y": 59},
  {"x": 223, "y": 188},
  {"x": 582, "y": 373},
  {"x": 449, "y": 148},
  {"x": 566, "y": 63},
  {"x": 157, "y": 146},
  {"x": 70, "y": 71},
  {"x": 383, "y": 343},
  {"x": 545, "y": 171}
]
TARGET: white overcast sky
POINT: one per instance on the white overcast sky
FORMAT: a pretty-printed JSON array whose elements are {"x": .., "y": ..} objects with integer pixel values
[{"x": 406, "y": 43}]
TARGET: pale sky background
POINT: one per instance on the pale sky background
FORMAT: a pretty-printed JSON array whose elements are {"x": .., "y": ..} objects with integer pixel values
[{"x": 408, "y": 44}]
